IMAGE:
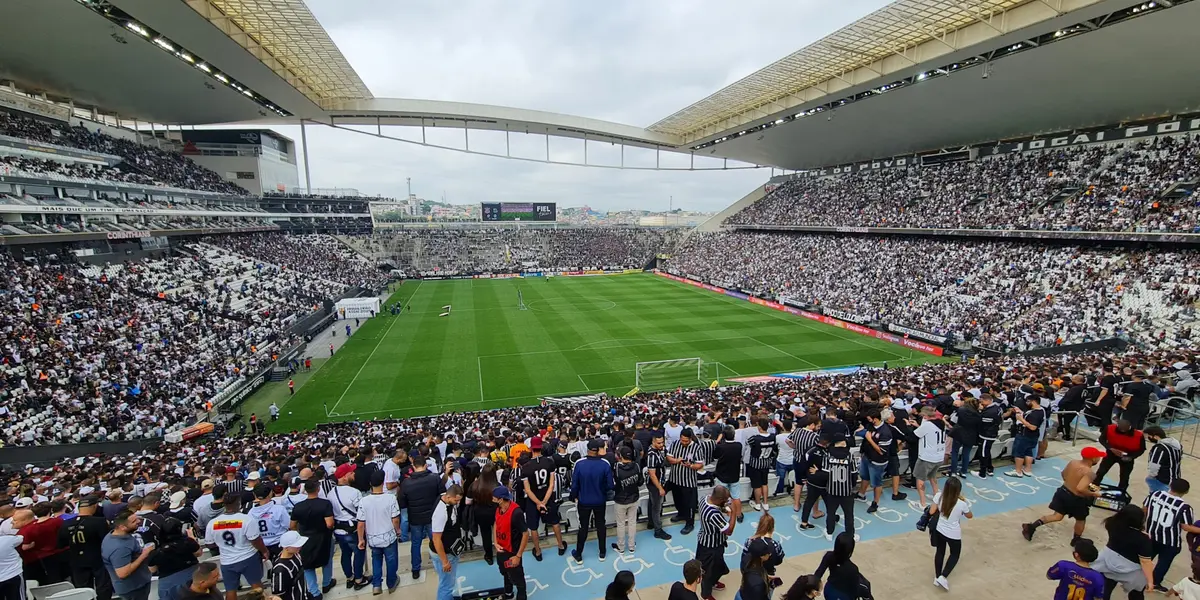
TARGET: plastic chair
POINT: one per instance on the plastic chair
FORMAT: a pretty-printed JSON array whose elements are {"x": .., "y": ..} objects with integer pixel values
[
  {"x": 43, "y": 592},
  {"x": 75, "y": 594}
]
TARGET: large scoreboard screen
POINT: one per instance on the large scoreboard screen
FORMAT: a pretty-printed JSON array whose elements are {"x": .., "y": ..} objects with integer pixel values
[{"x": 519, "y": 211}]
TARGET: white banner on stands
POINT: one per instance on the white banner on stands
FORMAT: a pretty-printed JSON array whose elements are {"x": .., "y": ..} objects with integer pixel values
[{"x": 357, "y": 308}]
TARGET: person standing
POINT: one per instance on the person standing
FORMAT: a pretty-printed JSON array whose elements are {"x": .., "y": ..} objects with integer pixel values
[
  {"x": 845, "y": 580},
  {"x": 1025, "y": 442},
  {"x": 1072, "y": 403},
  {"x": 241, "y": 547},
  {"x": 965, "y": 433},
  {"x": 931, "y": 452},
  {"x": 540, "y": 486},
  {"x": 378, "y": 528},
  {"x": 270, "y": 517},
  {"x": 627, "y": 484},
  {"x": 419, "y": 495},
  {"x": 802, "y": 439},
  {"x": 686, "y": 589},
  {"x": 201, "y": 585},
  {"x": 124, "y": 560},
  {"x": 82, "y": 537},
  {"x": 1166, "y": 456},
  {"x": 446, "y": 540},
  {"x": 876, "y": 446},
  {"x": 483, "y": 507},
  {"x": 313, "y": 518},
  {"x": 756, "y": 583},
  {"x": 785, "y": 461},
  {"x": 1076, "y": 578},
  {"x": 1124, "y": 444},
  {"x": 762, "y": 460},
  {"x": 345, "y": 499},
  {"x": 287, "y": 570},
  {"x": 684, "y": 462},
  {"x": 656, "y": 461},
  {"x": 1168, "y": 515},
  {"x": 718, "y": 518},
  {"x": 12, "y": 580},
  {"x": 1136, "y": 402},
  {"x": 1106, "y": 402},
  {"x": 1125, "y": 559},
  {"x": 841, "y": 479},
  {"x": 991, "y": 416},
  {"x": 590, "y": 483},
  {"x": 948, "y": 532},
  {"x": 510, "y": 541}
]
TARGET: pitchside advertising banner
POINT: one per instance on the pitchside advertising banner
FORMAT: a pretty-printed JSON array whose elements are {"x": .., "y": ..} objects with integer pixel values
[{"x": 826, "y": 319}]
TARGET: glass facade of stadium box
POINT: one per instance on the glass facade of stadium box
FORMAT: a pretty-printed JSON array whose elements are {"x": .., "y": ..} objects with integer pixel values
[{"x": 260, "y": 160}]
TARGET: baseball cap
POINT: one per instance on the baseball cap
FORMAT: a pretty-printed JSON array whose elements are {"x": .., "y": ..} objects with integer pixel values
[
  {"x": 758, "y": 547},
  {"x": 595, "y": 445},
  {"x": 24, "y": 502},
  {"x": 292, "y": 539},
  {"x": 502, "y": 493},
  {"x": 253, "y": 475},
  {"x": 89, "y": 501},
  {"x": 177, "y": 499},
  {"x": 207, "y": 484},
  {"x": 231, "y": 469},
  {"x": 535, "y": 443},
  {"x": 86, "y": 490},
  {"x": 343, "y": 470},
  {"x": 1092, "y": 452}
]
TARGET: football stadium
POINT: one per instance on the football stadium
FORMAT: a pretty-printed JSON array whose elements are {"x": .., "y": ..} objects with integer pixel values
[{"x": 884, "y": 299}]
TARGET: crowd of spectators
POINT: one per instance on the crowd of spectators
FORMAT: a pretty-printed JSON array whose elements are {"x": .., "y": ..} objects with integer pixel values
[
  {"x": 316, "y": 255},
  {"x": 1000, "y": 295},
  {"x": 1107, "y": 187},
  {"x": 494, "y": 249},
  {"x": 200, "y": 481},
  {"x": 162, "y": 167},
  {"x": 137, "y": 349}
]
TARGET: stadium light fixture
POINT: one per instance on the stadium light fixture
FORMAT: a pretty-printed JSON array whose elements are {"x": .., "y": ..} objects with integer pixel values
[
  {"x": 164, "y": 44},
  {"x": 138, "y": 29}
]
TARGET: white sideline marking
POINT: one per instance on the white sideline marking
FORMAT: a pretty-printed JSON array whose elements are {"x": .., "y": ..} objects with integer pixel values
[{"x": 373, "y": 350}]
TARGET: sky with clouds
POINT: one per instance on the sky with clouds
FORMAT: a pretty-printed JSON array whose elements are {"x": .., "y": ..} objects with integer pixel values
[{"x": 628, "y": 61}]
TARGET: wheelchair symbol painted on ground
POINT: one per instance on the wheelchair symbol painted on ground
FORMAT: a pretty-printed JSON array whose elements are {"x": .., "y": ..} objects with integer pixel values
[
  {"x": 533, "y": 586},
  {"x": 889, "y": 515},
  {"x": 676, "y": 555},
  {"x": 988, "y": 494},
  {"x": 577, "y": 573},
  {"x": 635, "y": 564},
  {"x": 915, "y": 505},
  {"x": 462, "y": 585},
  {"x": 1020, "y": 487}
]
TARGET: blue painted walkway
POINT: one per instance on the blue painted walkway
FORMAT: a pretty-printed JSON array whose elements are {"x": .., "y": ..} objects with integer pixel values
[{"x": 659, "y": 562}]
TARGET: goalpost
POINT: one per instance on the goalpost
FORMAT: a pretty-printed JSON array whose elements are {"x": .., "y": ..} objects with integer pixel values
[{"x": 674, "y": 373}]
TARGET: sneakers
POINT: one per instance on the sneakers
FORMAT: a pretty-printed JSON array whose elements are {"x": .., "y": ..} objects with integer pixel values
[
  {"x": 602, "y": 557},
  {"x": 807, "y": 526},
  {"x": 756, "y": 506},
  {"x": 376, "y": 591},
  {"x": 829, "y": 536},
  {"x": 942, "y": 583},
  {"x": 561, "y": 551},
  {"x": 1027, "y": 530},
  {"x": 686, "y": 529},
  {"x": 1014, "y": 474},
  {"x": 578, "y": 558},
  {"x": 874, "y": 507},
  {"x": 741, "y": 518},
  {"x": 718, "y": 585},
  {"x": 900, "y": 496},
  {"x": 860, "y": 497},
  {"x": 325, "y": 589},
  {"x": 618, "y": 549},
  {"x": 662, "y": 535},
  {"x": 631, "y": 550},
  {"x": 983, "y": 474}
]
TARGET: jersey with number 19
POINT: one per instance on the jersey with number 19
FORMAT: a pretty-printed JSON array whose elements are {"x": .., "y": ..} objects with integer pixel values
[
  {"x": 271, "y": 520},
  {"x": 1076, "y": 582},
  {"x": 232, "y": 534}
]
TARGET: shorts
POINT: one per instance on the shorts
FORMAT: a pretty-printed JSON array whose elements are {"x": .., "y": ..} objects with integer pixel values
[
  {"x": 1068, "y": 504},
  {"x": 872, "y": 472},
  {"x": 758, "y": 477},
  {"x": 534, "y": 518},
  {"x": 1023, "y": 446},
  {"x": 735, "y": 488},
  {"x": 926, "y": 471},
  {"x": 251, "y": 569},
  {"x": 801, "y": 473},
  {"x": 893, "y": 466}
]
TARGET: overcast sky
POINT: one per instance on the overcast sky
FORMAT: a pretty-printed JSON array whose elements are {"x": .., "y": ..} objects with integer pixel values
[{"x": 628, "y": 61}]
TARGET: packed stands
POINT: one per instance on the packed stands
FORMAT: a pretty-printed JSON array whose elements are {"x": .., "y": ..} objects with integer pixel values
[
  {"x": 162, "y": 167},
  {"x": 316, "y": 255},
  {"x": 1000, "y": 295},
  {"x": 1107, "y": 187}
]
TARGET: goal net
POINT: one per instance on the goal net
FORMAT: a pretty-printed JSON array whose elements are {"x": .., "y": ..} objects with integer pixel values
[{"x": 677, "y": 372}]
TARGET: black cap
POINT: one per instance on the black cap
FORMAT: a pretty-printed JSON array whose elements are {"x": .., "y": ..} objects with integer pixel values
[
  {"x": 89, "y": 500},
  {"x": 758, "y": 547},
  {"x": 377, "y": 478},
  {"x": 626, "y": 453},
  {"x": 262, "y": 490},
  {"x": 595, "y": 444}
]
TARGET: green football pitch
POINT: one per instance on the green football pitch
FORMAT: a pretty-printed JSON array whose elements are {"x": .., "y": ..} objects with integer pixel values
[{"x": 578, "y": 335}]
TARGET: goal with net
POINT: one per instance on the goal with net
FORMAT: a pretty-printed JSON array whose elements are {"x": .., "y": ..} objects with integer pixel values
[{"x": 676, "y": 372}]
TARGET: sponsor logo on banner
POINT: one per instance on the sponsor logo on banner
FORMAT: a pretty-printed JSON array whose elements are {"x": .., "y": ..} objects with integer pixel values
[
  {"x": 853, "y": 229},
  {"x": 247, "y": 389},
  {"x": 917, "y": 333},
  {"x": 124, "y": 235},
  {"x": 846, "y": 316},
  {"x": 738, "y": 295},
  {"x": 1114, "y": 134},
  {"x": 871, "y": 165}
]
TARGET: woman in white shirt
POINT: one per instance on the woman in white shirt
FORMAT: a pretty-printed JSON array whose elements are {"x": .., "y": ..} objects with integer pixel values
[{"x": 951, "y": 508}]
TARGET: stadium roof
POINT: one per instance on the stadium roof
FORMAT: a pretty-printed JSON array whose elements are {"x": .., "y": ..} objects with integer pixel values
[
  {"x": 899, "y": 29},
  {"x": 286, "y": 36}
]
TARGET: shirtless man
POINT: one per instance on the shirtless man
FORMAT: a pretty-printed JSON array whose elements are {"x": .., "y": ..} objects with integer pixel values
[{"x": 1074, "y": 498}]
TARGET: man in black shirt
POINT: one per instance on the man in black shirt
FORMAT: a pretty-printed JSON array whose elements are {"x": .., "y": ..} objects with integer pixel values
[
  {"x": 729, "y": 462},
  {"x": 82, "y": 537},
  {"x": 313, "y": 518},
  {"x": 540, "y": 507},
  {"x": 1107, "y": 400},
  {"x": 655, "y": 486},
  {"x": 1137, "y": 400}
]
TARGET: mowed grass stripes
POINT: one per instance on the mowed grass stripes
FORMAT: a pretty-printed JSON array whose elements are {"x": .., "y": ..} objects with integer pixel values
[{"x": 579, "y": 335}]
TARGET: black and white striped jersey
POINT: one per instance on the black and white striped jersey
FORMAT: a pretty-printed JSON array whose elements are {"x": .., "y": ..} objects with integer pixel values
[
  {"x": 842, "y": 472},
  {"x": 1165, "y": 513},
  {"x": 762, "y": 451},
  {"x": 713, "y": 522},
  {"x": 681, "y": 474},
  {"x": 804, "y": 440},
  {"x": 1164, "y": 461}
]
